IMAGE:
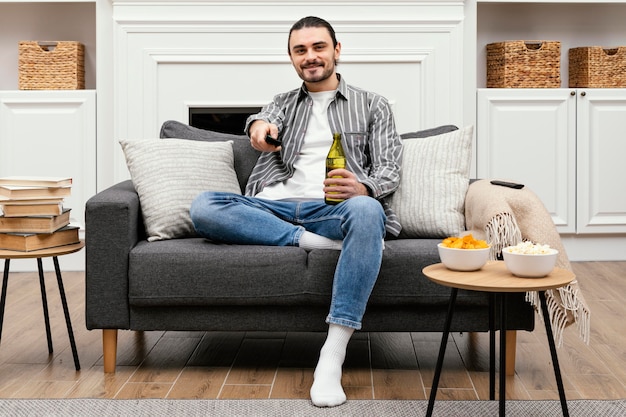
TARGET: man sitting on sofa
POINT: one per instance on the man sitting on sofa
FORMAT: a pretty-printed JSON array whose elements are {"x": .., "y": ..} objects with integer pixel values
[{"x": 284, "y": 201}]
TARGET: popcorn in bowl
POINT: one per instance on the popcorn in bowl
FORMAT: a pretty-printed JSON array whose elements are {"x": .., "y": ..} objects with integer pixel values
[
  {"x": 530, "y": 248},
  {"x": 530, "y": 260}
]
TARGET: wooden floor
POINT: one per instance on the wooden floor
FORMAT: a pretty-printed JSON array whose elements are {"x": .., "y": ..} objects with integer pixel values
[{"x": 279, "y": 365}]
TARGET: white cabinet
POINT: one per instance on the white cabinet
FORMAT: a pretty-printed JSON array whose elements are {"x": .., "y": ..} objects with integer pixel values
[
  {"x": 529, "y": 136},
  {"x": 51, "y": 133},
  {"x": 566, "y": 144},
  {"x": 601, "y": 154}
]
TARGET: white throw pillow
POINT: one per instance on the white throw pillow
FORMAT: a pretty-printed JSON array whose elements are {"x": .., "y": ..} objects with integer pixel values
[
  {"x": 169, "y": 173},
  {"x": 435, "y": 176}
]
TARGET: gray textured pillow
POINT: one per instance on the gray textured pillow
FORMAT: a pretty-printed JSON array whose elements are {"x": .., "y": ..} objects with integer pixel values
[
  {"x": 245, "y": 155},
  {"x": 168, "y": 174},
  {"x": 435, "y": 176}
]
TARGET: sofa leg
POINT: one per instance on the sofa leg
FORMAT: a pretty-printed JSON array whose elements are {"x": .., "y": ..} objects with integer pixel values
[
  {"x": 511, "y": 344},
  {"x": 109, "y": 349}
]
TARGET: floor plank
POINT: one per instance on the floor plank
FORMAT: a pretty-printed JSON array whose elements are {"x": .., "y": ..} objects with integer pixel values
[{"x": 199, "y": 383}]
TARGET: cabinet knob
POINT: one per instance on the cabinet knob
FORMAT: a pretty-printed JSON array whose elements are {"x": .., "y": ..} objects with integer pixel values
[
  {"x": 572, "y": 93},
  {"x": 583, "y": 94}
]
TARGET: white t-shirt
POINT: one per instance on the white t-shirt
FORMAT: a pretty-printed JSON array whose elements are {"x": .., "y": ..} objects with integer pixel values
[{"x": 310, "y": 166}]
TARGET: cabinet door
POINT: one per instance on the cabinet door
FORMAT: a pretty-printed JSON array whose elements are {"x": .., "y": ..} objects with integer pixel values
[
  {"x": 601, "y": 157},
  {"x": 529, "y": 136},
  {"x": 51, "y": 133}
]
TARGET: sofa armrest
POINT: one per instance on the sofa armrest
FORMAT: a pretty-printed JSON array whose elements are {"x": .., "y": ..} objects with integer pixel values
[{"x": 113, "y": 226}]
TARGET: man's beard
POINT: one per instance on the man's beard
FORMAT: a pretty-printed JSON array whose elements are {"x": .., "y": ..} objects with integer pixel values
[{"x": 326, "y": 73}]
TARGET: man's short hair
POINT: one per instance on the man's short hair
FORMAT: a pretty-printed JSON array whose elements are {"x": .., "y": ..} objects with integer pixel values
[{"x": 312, "y": 22}]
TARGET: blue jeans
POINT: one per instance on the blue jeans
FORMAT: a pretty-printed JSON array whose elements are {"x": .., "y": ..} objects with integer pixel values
[{"x": 358, "y": 221}]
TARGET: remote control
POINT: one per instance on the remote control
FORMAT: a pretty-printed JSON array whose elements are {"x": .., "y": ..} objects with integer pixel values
[
  {"x": 507, "y": 184},
  {"x": 273, "y": 141}
]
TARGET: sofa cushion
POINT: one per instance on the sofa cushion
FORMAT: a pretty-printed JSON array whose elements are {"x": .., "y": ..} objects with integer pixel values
[
  {"x": 245, "y": 155},
  {"x": 168, "y": 174},
  {"x": 435, "y": 177},
  {"x": 196, "y": 272}
]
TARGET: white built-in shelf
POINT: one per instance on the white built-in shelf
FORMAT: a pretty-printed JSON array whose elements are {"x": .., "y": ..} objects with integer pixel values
[
  {"x": 62, "y": 20},
  {"x": 573, "y": 23}
]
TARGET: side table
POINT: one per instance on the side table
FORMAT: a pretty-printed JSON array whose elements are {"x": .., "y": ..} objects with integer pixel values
[
  {"x": 7, "y": 255},
  {"x": 495, "y": 279}
]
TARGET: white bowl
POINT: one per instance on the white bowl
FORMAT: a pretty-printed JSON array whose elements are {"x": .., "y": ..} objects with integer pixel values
[
  {"x": 530, "y": 265},
  {"x": 463, "y": 259}
]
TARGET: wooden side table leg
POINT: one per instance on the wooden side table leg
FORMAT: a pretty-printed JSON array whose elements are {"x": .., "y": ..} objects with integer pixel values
[
  {"x": 511, "y": 346},
  {"x": 44, "y": 302},
  {"x": 442, "y": 352},
  {"x": 555, "y": 359},
  {"x": 66, "y": 312},
  {"x": 3, "y": 299},
  {"x": 109, "y": 349}
]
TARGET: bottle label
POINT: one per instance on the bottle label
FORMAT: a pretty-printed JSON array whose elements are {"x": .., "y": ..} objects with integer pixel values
[
  {"x": 334, "y": 163},
  {"x": 330, "y": 200}
]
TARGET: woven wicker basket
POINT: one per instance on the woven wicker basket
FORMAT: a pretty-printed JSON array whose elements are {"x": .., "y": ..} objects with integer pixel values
[
  {"x": 51, "y": 65},
  {"x": 597, "y": 67},
  {"x": 524, "y": 64}
]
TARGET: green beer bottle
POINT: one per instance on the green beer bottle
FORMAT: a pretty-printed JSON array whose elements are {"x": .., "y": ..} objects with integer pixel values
[{"x": 335, "y": 159}]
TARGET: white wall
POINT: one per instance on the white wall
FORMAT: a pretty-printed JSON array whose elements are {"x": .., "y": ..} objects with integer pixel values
[{"x": 168, "y": 57}]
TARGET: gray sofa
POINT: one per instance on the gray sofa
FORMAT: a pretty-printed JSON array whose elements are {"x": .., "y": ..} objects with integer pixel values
[{"x": 193, "y": 284}]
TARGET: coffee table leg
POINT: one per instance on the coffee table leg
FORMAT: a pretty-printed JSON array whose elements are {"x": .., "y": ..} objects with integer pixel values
[
  {"x": 44, "y": 302},
  {"x": 555, "y": 359},
  {"x": 502, "y": 393},
  {"x": 66, "y": 311},
  {"x": 442, "y": 352},
  {"x": 3, "y": 299}
]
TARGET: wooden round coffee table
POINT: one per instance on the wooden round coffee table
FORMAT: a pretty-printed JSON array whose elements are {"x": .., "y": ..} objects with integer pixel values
[
  {"x": 7, "y": 255},
  {"x": 495, "y": 279}
]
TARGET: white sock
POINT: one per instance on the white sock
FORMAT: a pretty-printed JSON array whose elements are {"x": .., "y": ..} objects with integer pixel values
[
  {"x": 327, "y": 390},
  {"x": 310, "y": 240}
]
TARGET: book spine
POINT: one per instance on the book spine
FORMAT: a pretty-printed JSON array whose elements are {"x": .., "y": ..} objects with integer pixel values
[{"x": 34, "y": 224}]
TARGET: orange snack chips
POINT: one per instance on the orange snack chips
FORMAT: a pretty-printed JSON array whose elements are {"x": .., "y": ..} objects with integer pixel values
[{"x": 465, "y": 242}]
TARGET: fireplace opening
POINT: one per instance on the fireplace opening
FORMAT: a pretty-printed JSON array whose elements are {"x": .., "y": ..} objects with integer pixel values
[{"x": 221, "y": 119}]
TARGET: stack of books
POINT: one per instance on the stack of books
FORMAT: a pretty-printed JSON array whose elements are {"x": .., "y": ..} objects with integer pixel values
[{"x": 33, "y": 216}]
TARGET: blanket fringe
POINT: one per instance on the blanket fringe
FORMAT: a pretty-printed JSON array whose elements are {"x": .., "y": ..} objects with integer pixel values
[
  {"x": 502, "y": 231},
  {"x": 582, "y": 315},
  {"x": 559, "y": 312}
]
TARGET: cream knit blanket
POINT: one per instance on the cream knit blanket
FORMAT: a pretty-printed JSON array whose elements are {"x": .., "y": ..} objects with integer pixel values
[{"x": 506, "y": 216}]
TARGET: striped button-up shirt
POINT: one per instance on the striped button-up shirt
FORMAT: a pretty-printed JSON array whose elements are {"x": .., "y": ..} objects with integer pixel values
[{"x": 369, "y": 138}]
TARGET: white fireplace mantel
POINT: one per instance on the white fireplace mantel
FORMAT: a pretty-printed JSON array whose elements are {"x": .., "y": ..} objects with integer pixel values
[{"x": 168, "y": 56}]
